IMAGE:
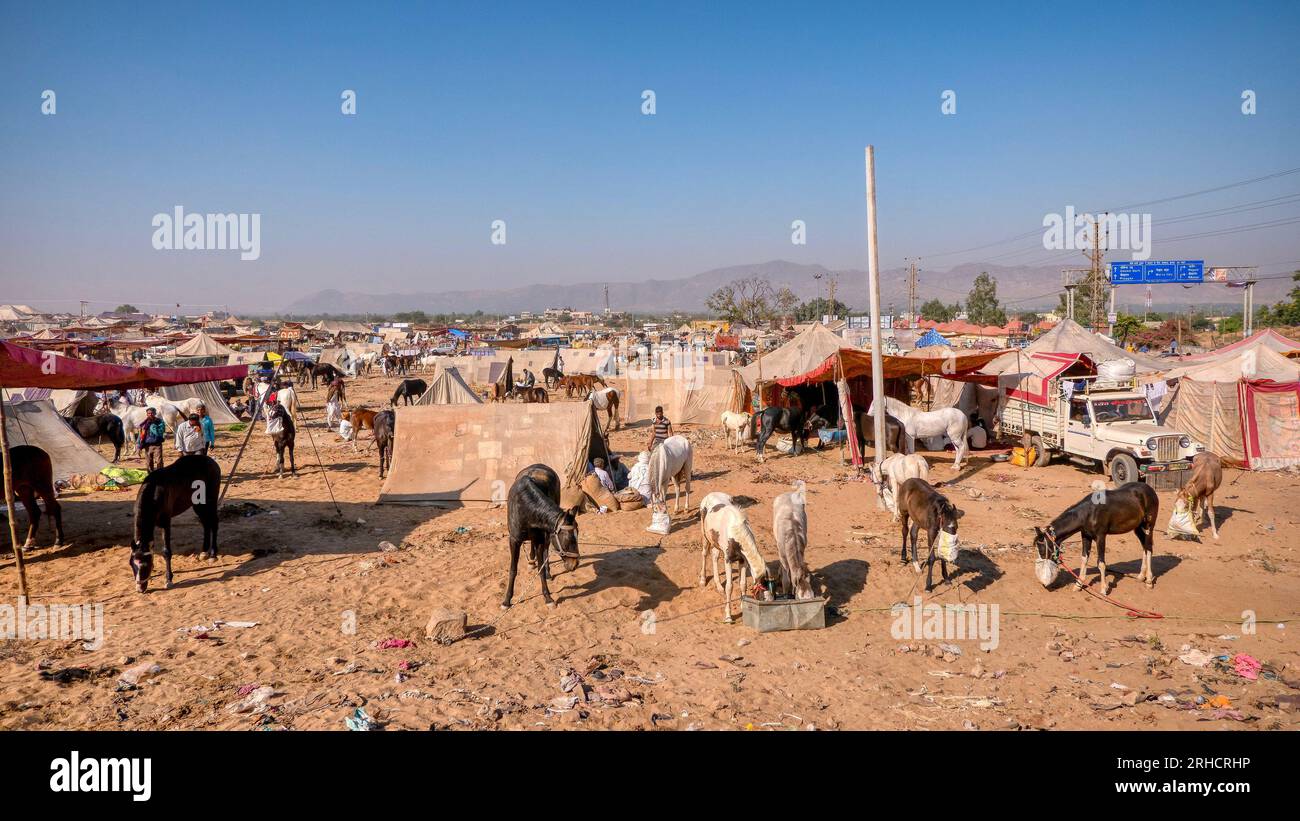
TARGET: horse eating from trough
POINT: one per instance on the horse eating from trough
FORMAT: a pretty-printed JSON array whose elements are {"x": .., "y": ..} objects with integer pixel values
[
  {"x": 34, "y": 476},
  {"x": 190, "y": 481},
  {"x": 533, "y": 514},
  {"x": 1132, "y": 507},
  {"x": 725, "y": 532}
]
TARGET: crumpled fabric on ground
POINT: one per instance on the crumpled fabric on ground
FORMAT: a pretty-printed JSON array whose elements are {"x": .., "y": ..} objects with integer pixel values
[{"x": 1247, "y": 666}]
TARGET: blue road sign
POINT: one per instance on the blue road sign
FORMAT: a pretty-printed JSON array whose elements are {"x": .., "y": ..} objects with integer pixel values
[{"x": 1157, "y": 271}]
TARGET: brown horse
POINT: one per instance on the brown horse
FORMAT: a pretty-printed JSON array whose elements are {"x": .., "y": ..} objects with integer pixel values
[
  {"x": 34, "y": 476},
  {"x": 536, "y": 394},
  {"x": 361, "y": 418}
]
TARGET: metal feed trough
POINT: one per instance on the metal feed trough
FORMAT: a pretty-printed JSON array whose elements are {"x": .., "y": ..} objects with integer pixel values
[{"x": 783, "y": 614}]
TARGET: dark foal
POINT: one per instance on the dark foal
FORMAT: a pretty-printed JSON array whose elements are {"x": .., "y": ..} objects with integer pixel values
[
  {"x": 1132, "y": 507},
  {"x": 284, "y": 438},
  {"x": 101, "y": 426},
  {"x": 34, "y": 476},
  {"x": 924, "y": 507},
  {"x": 190, "y": 481},
  {"x": 533, "y": 513},
  {"x": 409, "y": 391},
  {"x": 385, "y": 426}
]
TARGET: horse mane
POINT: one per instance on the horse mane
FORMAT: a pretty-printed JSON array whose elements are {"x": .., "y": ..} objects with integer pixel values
[{"x": 739, "y": 531}]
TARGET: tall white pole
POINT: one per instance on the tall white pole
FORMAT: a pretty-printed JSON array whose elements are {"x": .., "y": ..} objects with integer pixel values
[{"x": 873, "y": 286}]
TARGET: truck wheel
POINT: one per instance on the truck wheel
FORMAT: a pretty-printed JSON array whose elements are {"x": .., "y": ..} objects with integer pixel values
[
  {"x": 1044, "y": 456},
  {"x": 1123, "y": 469}
]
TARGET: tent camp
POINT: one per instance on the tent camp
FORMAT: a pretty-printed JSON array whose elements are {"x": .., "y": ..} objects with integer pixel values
[
  {"x": 202, "y": 345},
  {"x": 68, "y": 403},
  {"x": 806, "y": 351},
  {"x": 209, "y": 393},
  {"x": 470, "y": 454},
  {"x": 38, "y": 423},
  {"x": 448, "y": 388},
  {"x": 1267, "y": 338},
  {"x": 1070, "y": 337},
  {"x": 1244, "y": 406}
]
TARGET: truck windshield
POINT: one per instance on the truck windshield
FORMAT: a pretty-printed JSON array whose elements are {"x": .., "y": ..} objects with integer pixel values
[{"x": 1121, "y": 410}]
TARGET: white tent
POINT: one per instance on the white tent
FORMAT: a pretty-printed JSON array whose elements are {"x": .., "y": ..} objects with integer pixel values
[{"x": 38, "y": 423}]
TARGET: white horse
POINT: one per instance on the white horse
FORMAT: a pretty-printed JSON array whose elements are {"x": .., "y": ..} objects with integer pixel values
[
  {"x": 133, "y": 417},
  {"x": 736, "y": 427},
  {"x": 890, "y": 474},
  {"x": 949, "y": 421},
  {"x": 724, "y": 531},
  {"x": 670, "y": 462}
]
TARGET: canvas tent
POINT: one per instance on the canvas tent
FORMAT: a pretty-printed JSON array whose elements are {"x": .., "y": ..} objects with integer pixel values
[
  {"x": 594, "y": 361},
  {"x": 1244, "y": 406},
  {"x": 1267, "y": 338},
  {"x": 68, "y": 403},
  {"x": 800, "y": 355},
  {"x": 38, "y": 423},
  {"x": 202, "y": 345},
  {"x": 470, "y": 454},
  {"x": 209, "y": 393},
  {"x": 1072, "y": 338},
  {"x": 448, "y": 388},
  {"x": 689, "y": 396}
]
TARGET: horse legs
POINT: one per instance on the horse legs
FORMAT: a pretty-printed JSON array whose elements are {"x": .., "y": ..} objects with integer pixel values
[
  {"x": 1083, "y": 563},
  {"x": 1207, "y": 505},
  {"x": 515, "y": 544},
  {"x": 543, "y": 569},
  {"x": 55, "y": 511},
  {"x": 726, "y": 596},
  {"x": 167, "y": 550},
  {"x": 704, "y": 555},
  {"x": 1101, "y": 562},
  {"x": 1147, "y": 535},
  {"x": 930, "y": 534},
  {"x": 28, "y": 497},
  {"x": 903, "y": 556},
  {"x": 293, "y": 466},
  {"x": 915, "y": 531},
  {"x": 210, "y": 532}
]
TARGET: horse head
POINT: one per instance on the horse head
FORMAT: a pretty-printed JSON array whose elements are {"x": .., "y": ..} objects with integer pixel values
[
  {"x": 1045, "y": 544},
  {"x": 141, "y": 565},
  {"x": 565, "y": 537}
]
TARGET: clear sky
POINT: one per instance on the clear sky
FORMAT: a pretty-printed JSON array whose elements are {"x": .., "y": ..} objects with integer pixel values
[{"x": 531, "y": 113}]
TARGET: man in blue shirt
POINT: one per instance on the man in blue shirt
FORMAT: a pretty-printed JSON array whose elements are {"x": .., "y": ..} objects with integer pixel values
[
  {"x": 209, "y": 429},
  {"x": 153, "y": 432}
]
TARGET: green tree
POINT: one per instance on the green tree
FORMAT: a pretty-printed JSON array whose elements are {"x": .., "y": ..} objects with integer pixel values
[
  {"x": 128, "y": 308},
  {"x": 749, "y": 301},
  {"x": 1126, "y": 325},
  {"x": 935, "y": 311},
  {"x": 815, "y": 309},
  {"x": 1029, "y": 317},
  {"x": 1282, "y": 313},
  {"x": 1230, "y": 325},
  {"x": 982, "y": 304},
  {"x": 1083, "y": 307}
]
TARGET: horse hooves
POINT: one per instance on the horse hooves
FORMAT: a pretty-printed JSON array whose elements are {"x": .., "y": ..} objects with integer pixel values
[
  {"x": 916, "y": 566},
  {"x": 550, "y": 605},
  {"x": 505, "y": 605}
]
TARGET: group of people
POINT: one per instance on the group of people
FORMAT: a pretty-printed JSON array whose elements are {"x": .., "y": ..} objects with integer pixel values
[
  {"x": 193, "y": 436},
  {"x": 614, "y": 476}
]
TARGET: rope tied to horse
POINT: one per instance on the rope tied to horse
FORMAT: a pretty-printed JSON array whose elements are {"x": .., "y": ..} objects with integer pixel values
[{"x": 1129, "y": 610}]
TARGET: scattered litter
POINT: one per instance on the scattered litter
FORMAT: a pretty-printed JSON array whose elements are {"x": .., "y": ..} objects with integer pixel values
[
  {"x": 217, "y": 625},
  {"x": 134, "y": 675},
  {"x": 389, "y": 644},
  {"x": 254, "y": 702},
  {"x": 1247, "y": 667},
  {"x": 1196, "y": 658},
  {"x": 360, "y": 721}
]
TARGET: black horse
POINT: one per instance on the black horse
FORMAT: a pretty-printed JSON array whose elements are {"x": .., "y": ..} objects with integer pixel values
[
  {"x": 409, "y": 390},
  {"x": 552, "y": 377},
  {"x": 283, "y": 438},
  {"x": 190, "y": 481},
  {"x": 866, "y": 430},
  {"x": 793, "y": 420},
  {"x": 323, "y": 370},
  {"x": 101, "y": 426},
  {"x": 1132, "y": 507},
  {"x": 534, "y": 514},
  {"x": 385, "y": 428},
  {"x": 34, "y": 476}
]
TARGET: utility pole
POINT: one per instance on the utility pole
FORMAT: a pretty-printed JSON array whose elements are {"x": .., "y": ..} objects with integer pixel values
[
  {"x": 911, "y": 290},
  {"x": 1069, "y": 283},
  {"x": 873, "y": 287},
  {"x": 830, "y": 288},
  {"x": 606, "y": 299},
  {"x": 1094, "y": 257}
]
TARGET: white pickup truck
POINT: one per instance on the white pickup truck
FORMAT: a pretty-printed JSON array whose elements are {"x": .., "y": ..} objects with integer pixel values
[{"x": 1104, "y": 423}]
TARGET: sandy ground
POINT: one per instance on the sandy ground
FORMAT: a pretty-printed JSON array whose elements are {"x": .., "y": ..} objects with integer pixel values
[{"x": 647, "y": 645}]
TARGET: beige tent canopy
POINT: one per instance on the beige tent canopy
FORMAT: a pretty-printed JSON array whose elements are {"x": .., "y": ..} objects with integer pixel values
[
  {"x": 1267, "y": 338},
  {"x": 38, "y": 423},
  {"x": 210, "y": 395},
  {"x": 1070, "y": 337},
  {"x": 335, "y": 327},
  {"x": 201, "y": 345},
  {"x": 690, "y": 396},
  {"x": 463, "y": 454},
  {"x": 68, "y": 403},
  {"x": 800, "y": 355},
  {"x": 448, "y": 388},
  {"x": 595, "y": 361},
  {"x": 1244, "y": 406}
]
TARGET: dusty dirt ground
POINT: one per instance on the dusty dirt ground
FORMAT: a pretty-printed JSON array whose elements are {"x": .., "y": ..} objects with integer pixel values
[{"x": 648, "y": 646}]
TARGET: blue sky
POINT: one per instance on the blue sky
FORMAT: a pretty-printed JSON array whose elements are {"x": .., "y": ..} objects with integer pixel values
[{"x": 531, "y": 113}]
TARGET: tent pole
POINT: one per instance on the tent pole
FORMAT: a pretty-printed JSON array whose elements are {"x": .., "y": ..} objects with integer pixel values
[
  {"x": 9, "y": 505},
  {"x": 261, "y": 403}
]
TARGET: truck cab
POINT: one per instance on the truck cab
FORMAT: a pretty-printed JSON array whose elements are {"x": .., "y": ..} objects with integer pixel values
[{"x": 1105, "y": 423}]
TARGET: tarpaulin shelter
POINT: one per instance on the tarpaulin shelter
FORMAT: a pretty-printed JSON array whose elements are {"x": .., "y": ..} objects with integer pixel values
[
  {"x": 694, "y": 395},
  {"x": 201, "y": 350},
  {"x": 1267, "y": 338},
  {"x": 1244, "y": 406},
  {"x": 449, "y": 388},
  {"x": 594, "y": 361},
  {"x": 1069, "y": 337},
  {"x": 470, "y": 454},
  {"x": 931, "y": 337},
  {"x": 37, "y": 423},
  {"x": 68, "y": 403},
  {"x": 207, "y": 392},
  {"x": 28, "y": 367}
]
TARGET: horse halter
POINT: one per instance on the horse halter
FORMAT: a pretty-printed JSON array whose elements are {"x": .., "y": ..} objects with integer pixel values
[
  {"x": 555, "y": 542},
  {"x": 1050, "y": 535}
]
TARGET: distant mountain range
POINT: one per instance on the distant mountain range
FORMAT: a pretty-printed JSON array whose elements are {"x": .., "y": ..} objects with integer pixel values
[{"x": 1025, "y": 287}]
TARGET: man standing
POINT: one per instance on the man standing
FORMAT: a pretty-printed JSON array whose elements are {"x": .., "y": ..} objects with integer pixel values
[
  {"x": 209, "y": 429},
  {"x": 660, "y": 428},
  {"x": 189, "y": 437},
  {"x": 152, "y": 433}
]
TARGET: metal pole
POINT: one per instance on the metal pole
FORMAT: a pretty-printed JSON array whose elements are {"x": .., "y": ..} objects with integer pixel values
[{"x": 873, "y": 285}]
